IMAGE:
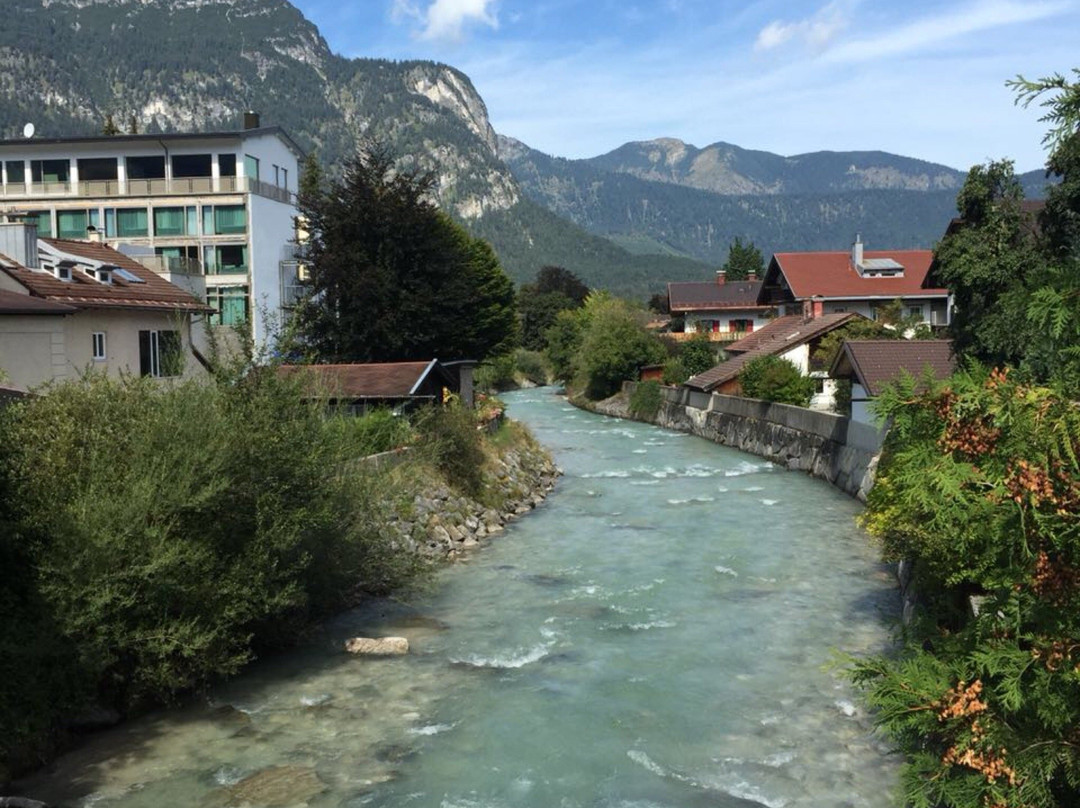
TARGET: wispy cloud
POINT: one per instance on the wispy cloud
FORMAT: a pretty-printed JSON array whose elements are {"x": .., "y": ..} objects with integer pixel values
[
  {"x": 975, "y": 17},
  {"x": 445, "y": 19},
  {"x": 815, "y": 32}
]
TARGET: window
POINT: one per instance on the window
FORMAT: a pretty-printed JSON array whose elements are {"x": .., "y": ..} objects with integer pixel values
[
  {"x": 71, "y": 223},
  {"x": 50, "y": 170},
  {"x": 277, "y": 174},
  {"x": 739, "y": 326},
  {"x": 915, "y": 311},
  {"x": 231, "y": 303},
  {"x": 169, "y": 222},
  {"x": 97, "y": 340},
  {"x": 44, "y": 222},
  {"x": 131, "y": 222},
  {"x": 285, "y": 178},
  {"x": 227, "y": 259},
  {"x": 16, "y": 172},
  {"x": 145, "y": 168},
  {"x": 227, "y": 165},
  {"x": 251, "y": 167},
  {"x": 93, "y": 169},
  {"x": 160, "y": 354},
  {"x": 191, "y": 165},
  {"x": 224, "y": 219}
]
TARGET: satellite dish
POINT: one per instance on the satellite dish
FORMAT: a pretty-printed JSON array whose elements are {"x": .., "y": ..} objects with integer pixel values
[{"x": 28, "y": 130}]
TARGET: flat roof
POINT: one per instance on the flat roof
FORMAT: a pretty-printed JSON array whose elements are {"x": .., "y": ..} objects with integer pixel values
[{"x": 236, "y": 134}]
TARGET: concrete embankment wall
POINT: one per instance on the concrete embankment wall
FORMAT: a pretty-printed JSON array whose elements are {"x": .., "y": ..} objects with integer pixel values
[{"x": 831, "y": 447}]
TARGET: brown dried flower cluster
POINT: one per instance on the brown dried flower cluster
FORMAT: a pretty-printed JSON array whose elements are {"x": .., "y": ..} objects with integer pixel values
[
  {"x": 1054, "y": 581},
  {"x": 990, "y": 763},
  {"x": 970, "y": 435},
  {"x": 961, "y": 701}
]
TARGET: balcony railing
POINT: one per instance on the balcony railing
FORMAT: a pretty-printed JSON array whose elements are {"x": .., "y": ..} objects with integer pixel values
[
  {"x": 177, "y": 186},
  {"x": 171, "y": 265}
]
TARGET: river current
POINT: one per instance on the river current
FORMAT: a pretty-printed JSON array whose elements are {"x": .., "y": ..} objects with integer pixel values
[{"x": 658, "y": 634}]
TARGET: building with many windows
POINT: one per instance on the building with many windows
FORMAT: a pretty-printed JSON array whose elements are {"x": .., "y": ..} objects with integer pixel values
[{"x": 217, "y": 205}]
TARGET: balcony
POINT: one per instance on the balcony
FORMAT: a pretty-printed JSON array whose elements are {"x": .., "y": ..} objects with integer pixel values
[
  {"x": 170, "y": 265},
  {"x": 180, "y": 186}
]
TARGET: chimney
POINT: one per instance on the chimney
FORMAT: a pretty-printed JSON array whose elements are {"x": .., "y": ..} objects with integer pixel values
[
  {"x": 720, "y": 276},
  {"x": 817, "y": 306},
  {"x": 856, "y": 252},
  {"x": 807, "y": 311},
  {"x": 751, "y": 275},
  {"x": 251, "y": 120},
  {"x": 18, "y": 240},
  {"x": 93, "y": 234}
]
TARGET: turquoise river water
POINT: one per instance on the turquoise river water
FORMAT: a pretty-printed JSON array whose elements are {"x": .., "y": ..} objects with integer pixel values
[{"x": 657, "y": 634}]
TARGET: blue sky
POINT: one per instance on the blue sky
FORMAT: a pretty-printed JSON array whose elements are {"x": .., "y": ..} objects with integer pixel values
[{"x": 577, "y": 78}]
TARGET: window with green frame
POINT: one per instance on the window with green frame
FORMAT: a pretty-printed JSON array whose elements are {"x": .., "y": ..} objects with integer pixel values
[
  {"x": 131, "y": 222},
  {"x": 251, "y": 167},
  {"x": 71, "y": 223},
  {"x": 231, "y": 303}
]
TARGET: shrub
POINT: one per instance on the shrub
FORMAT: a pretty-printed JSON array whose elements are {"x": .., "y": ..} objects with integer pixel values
[
  {"x": 774, "y": 379},
  {"x": 450, "y": 439},
  {"x": 675, "y": 371},
  {"x": 531, "y": 365},
  {"x": 374, "y": 432},
  {"x": 646, "y": 399},
  {"x": 496, "y": 374},
  {"x": 615, "y": 345},
  {"x": 697, "y": 354}
]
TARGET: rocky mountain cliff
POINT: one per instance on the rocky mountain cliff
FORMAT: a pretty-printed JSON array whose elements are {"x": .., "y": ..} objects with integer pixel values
[
  {"x": 726, "y": 169},
  {"x": 198, "y": 64}
]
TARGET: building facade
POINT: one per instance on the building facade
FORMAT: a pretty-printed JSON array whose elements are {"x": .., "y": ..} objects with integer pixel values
[{"x": 220, "y": 206}]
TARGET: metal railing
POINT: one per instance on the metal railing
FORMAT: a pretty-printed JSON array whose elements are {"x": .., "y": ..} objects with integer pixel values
[
  {"x": 177, "y": 186},
  {"x": 170, "y": 264}
]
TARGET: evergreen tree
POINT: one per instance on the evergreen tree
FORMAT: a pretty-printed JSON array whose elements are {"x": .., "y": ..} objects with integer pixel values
[
  {"x": 391, "y": 276},
  {"x": 742, "y": 260},
  {"x": 133, "y": 125},
  {"x": 109, "y": 128}
]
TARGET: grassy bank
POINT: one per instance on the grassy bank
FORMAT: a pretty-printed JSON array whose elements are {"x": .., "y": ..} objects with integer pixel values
[{"x": 155, "y": 539}]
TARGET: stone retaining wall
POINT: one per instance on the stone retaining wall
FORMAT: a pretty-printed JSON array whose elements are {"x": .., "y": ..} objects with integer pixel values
[{"x": 831, "y": 447}]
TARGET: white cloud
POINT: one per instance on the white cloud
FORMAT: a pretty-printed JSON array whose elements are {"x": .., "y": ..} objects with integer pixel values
[
  {"x": 815, "y": 32},
  {"x": 445, "y": 19}
]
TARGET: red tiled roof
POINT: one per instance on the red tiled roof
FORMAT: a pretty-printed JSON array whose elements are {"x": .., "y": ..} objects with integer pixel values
[
  {"x": 707, "y": 295},
  {"x": 778, "y": 336},
  {"x": 376, "y": 380},
  {"x": 15, "y": 303},
  {"x": 83, "y": 291},
  {"x": 831, "y": 275},
  {"x": 875, "y": 363}
]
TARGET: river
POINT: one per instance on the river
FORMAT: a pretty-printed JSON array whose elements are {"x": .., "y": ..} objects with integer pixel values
[{"x": 657, "y": 634}]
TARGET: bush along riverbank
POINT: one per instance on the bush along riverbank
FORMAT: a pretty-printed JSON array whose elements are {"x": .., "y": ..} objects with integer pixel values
[{"x": 157, "y": 538}]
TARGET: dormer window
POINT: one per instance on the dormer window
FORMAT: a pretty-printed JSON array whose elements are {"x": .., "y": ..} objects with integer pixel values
[
  {"x": 101, "y": 274},
  {"x": 62, "y": 270}
]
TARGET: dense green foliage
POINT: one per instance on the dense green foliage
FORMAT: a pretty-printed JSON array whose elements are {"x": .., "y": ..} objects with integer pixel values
[
  {"x": 614, "y": 346},
  {"x": 555, "y": 289},
  {"x": 449, "y": 439},
  {"x": 158, "y": 536},
  {"x": 510, "y": 371},
  {"x": 771, "y": 378},
  {"x": 980, "y": 484},
  {"x": 742, "y": 260},
  {"x": 645, "y": 400},
  {"x": 392, "y": 277},
  {"x": 697, "y": 354}
]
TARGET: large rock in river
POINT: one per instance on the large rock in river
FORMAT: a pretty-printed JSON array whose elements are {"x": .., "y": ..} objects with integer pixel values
[
  {"x": 275, "y": 787},
  {"x": 382, "y": 646}
]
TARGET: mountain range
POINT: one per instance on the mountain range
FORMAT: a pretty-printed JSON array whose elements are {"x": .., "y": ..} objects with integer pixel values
[{"x": 628, "y": 220}]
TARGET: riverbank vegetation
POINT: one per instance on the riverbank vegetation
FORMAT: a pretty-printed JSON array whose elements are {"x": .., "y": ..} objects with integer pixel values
[
  {"x": 979, "y": 486},
  {"x": 157, "y": 538}
]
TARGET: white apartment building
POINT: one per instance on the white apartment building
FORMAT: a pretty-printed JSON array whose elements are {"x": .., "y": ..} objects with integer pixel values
[{"x": 218, "y": 205}]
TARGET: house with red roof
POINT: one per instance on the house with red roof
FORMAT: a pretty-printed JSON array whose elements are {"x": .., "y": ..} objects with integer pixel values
[
  {"x": 68, "y": 307},
  {"x": 726, "y": 310},
  {"x": 861, "y": 281}
]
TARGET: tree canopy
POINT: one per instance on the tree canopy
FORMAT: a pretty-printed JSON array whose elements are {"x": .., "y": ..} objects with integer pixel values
[
  {"x": 391, "y": 276},
  {"x": 742, "y": 260}
]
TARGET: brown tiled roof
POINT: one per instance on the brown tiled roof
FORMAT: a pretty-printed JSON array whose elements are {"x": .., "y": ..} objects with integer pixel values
[
  {"x": 376, "y": 380},
  {"x": 15, "y": 303},
  {"x": 778, "y": 336},
  {"x": 83, "y": 291},
  {"x": 697, "y": 295},
  {"x": 875, "y": 363},
  {"x": 831, "y": 275}
]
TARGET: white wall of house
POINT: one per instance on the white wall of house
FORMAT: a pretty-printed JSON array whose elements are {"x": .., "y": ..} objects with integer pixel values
[
  {"x": 724, "y": 316},
  {"x": 860, "y": 405},
  {"x": 32, "y": 349},
  {"x": 272, "y": 234},
  {"x": 39, "y": 349}
]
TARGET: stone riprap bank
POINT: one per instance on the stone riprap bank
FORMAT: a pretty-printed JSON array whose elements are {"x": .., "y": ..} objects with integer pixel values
[{"x": 830, "y": 447}]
